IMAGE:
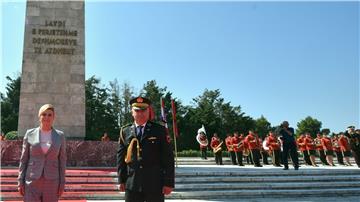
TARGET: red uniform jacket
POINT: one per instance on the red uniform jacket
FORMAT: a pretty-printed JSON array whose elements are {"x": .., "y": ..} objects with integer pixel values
[
  {"x": 301, "y": 143},
  {"x": 344, "y": 143},
  {"x": 228, "y": 142},
  {"x": 252, "y": 142},
  {"x": 318, "y": 144},
  {"x": 326, "y": 144},
  {"x": 215, "y": 141},
  {"x": 235, "y": 142},
  {"x": 336, "y": 146},
  {"x": 272, "y": 143},
  {"x": 309, "y": 143}
]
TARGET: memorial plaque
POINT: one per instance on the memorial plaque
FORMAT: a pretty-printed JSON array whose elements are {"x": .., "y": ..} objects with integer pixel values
[{"x": 53, "y": 68}]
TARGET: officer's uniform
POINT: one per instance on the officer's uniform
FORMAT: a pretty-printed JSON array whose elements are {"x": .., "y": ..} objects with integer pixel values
[{"x": 145, "y": 170}]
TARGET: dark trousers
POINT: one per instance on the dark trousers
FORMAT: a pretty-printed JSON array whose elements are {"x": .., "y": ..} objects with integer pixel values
[
  {"x": 276, "y": 157},
  {"x": 356, "y": 155},
  {"x": 306, "y": 157},
  {"x": 239, "y": 156},
  {"x": 249, "y": 159},
  {"x": 255, "y": 154},
  {"x": 218, "y": 158},
  {"x": 340, "y": 157},
  {"x": 290, "y": 148},
  {"x": 233, "y": 157},
  {"x": 203, "y": 153},
  {"x": 131, "y": 196},
  {"x": 323, "y": 157},
  {"x": 265, "y": 156}
]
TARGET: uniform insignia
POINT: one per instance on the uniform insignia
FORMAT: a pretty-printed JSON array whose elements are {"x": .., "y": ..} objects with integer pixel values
[
  {"x": 152, "y": 138},
  {"x": 168, "y": 139}
]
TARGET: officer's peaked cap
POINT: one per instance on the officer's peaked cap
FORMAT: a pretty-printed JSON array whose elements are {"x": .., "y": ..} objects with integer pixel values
[{"x": 139, "y": 103}]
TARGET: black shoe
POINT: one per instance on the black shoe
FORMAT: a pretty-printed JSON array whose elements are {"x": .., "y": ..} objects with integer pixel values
[
  {"x": 285, "y": 168},
  {"x": 296, "y": 168},
  {"x": 241, "y": 165}
]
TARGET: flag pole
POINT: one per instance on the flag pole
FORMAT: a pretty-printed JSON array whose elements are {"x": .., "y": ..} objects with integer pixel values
[
  {"x": 163, "y": 117},
  {"x": 175, "y": 129}
]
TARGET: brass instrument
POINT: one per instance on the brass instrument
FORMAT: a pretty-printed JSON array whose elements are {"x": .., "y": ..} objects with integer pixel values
[
  {"x": 218, "y": 148},
  {"x": 246, "y": 152},
  {"x": 202, "y": 140},
  {"x": 130, "y": 150}
]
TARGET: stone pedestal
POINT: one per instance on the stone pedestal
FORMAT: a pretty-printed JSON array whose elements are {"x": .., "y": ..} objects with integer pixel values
[{"x": 53, "y": 69}]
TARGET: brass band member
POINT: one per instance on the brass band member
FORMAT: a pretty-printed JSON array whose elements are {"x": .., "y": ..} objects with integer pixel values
[
  {"x": 326, "y": 142},
  {"x": 203, "y": 142},
  {"x": 302, "y": 147},
  {"x": 145, "y": 157},
  {"x": 274, "y": 147},
  {"x": 230, "y": 148},
  {"x": 264, "y": 151},
  {"x": 310, "y": 148},
  {"x": 254, "y": 146},
  {"x": 336, "y": 146},
  {"x": 354, "y": 137},
  {"x": 320, "y": 149},
  {"x": 216, "y": 144},
  {"x": 345, "y": 148},
  {"x": 238, "y": 144}
]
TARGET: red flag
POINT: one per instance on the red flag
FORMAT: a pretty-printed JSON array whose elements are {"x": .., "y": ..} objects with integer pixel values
[{"x": 175, "y": 129}]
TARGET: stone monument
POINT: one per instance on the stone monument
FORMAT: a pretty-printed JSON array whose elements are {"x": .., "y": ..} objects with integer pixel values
[{"x": 53, "y": 68}]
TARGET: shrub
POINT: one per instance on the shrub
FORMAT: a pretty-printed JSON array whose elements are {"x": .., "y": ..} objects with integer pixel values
[{"x": 12, "y": 135}]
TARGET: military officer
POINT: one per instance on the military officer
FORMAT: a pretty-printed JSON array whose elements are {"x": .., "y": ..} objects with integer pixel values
[{"x": 145, "y": 158}]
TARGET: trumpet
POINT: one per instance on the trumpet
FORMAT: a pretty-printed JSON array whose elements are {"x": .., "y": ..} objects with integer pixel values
[{"x": 218, "y": 148}]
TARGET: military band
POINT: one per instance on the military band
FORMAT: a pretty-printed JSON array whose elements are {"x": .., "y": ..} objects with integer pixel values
[{"x": 251, "y": 148}]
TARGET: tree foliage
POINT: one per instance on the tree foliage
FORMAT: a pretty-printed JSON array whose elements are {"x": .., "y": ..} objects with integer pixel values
[
  {"x": 262, "y": 126},
  {"x": 215, "y": 114},
  {"x": 10, "y": 105},
  {"x": 308, "y": 125},
  {"x": 99, "y": 111}
]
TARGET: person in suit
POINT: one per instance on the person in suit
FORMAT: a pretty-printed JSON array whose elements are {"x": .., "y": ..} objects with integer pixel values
[
  {"x": 145, "y": 158},
  {"x": 289, "y": 145},
  {"x": 43, "y": 160}
]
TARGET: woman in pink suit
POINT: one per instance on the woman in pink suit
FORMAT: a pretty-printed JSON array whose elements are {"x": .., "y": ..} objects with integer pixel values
[{"x": 43, "y": 160}]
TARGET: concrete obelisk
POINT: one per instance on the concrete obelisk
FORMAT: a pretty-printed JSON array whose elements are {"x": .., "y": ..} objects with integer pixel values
[{"x": 53, "y": 69}]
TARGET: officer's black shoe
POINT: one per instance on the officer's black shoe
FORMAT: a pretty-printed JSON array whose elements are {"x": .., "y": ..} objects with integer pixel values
[
  {"x": 241, "y": 165},
  {"x": 285, "y": 168},
  {"x": 296, "y": 168}
]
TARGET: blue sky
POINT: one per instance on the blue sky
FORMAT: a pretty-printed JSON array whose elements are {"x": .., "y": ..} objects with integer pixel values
[{"x": 283, "y": 60}]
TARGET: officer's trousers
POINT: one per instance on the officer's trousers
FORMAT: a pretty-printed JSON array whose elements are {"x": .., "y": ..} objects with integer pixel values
[
  {"x": 290, "y": 148},
  {"x": 133, "y": 196},
  {"x": 41, "y": 190}
]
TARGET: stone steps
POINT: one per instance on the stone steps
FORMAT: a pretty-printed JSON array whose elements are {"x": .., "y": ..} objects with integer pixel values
[{"x": 210, "y": 182}]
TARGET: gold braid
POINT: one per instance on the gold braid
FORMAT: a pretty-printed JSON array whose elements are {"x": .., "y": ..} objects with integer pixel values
[{"x": 130, "y": 149}]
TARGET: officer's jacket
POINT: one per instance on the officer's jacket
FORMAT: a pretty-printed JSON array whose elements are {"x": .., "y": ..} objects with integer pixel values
[{"x": 154, "y": 168}]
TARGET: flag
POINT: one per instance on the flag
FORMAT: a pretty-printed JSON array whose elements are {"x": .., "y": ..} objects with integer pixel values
[{"x": 175, "y": 129}]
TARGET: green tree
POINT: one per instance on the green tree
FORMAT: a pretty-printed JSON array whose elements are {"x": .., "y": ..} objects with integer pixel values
[
  {"x": 215, "y": 114},
  {"x": 126, "y": 94},
  {"x": 10, "y": 105},
  {"x": 99, "y": 111},
  {"x": 309, "y": 125},
  {"x": 262, "y": 126}
]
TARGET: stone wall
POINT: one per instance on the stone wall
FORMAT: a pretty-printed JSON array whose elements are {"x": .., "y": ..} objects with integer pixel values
[{"x": 79, "y": 153}]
